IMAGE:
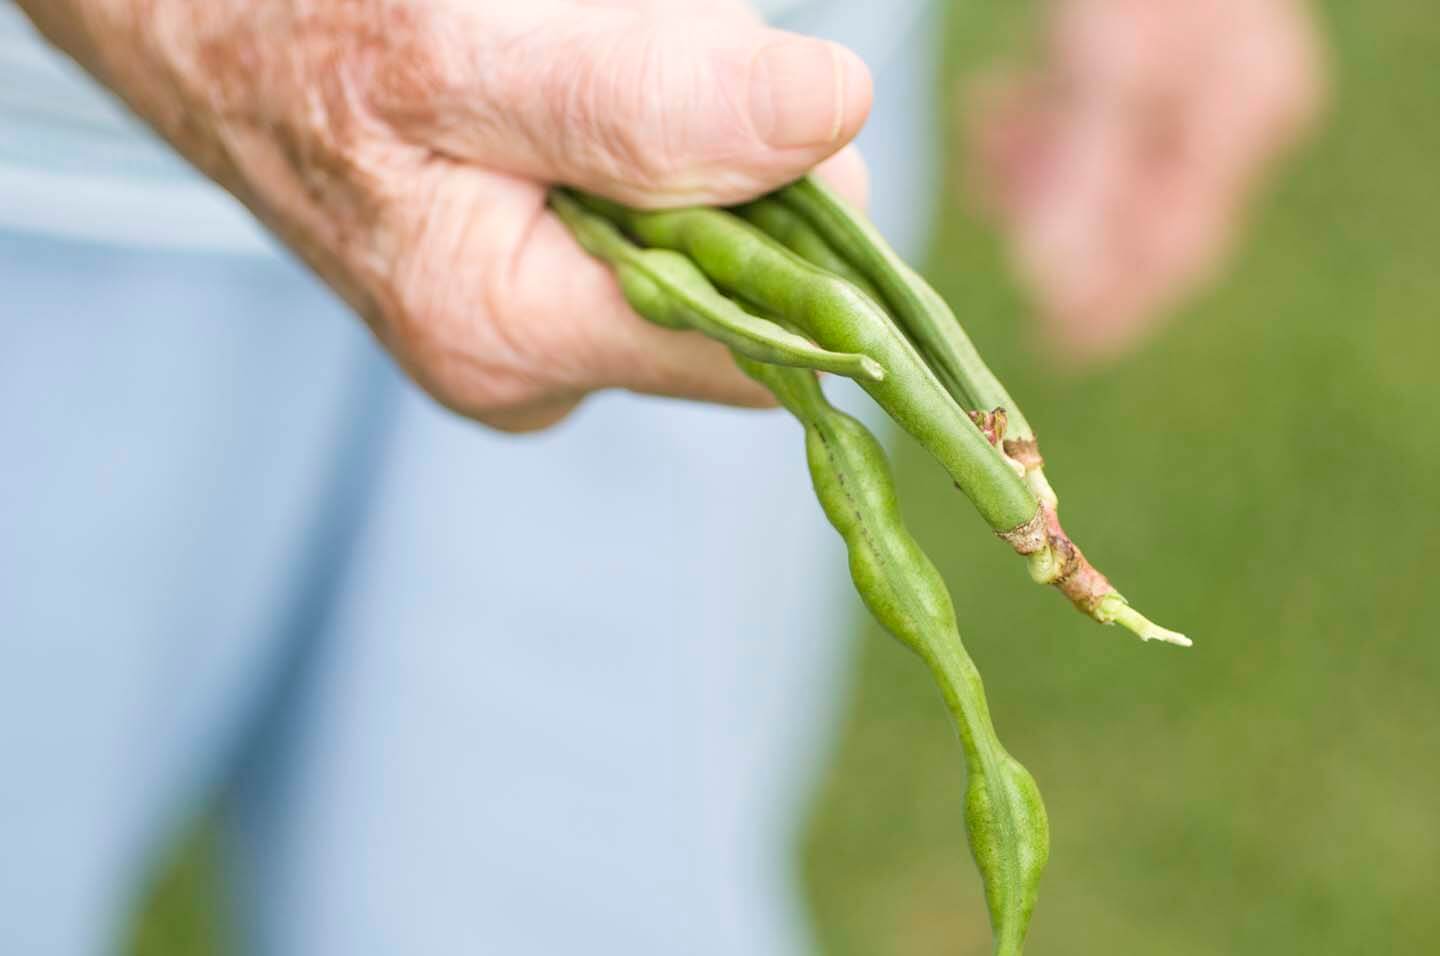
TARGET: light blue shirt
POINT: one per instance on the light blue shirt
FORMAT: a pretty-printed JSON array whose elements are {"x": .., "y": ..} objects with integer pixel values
[{"x": 74, "y": 162}]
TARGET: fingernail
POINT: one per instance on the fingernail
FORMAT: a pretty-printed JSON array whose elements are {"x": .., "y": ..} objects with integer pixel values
[{"x": 801, "y": 90}]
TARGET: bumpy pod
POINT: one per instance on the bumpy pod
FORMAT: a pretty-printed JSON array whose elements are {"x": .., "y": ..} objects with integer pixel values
[
  {"x": 747, "y": 263},
  {"x": 1004, "y": 815},
  {"x": 669, "y": 290}
]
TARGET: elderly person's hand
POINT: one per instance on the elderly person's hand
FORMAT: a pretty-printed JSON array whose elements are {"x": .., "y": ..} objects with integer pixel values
[
  {"x": 1119, "y": 168},
  {"x": 403, "y": 147}
]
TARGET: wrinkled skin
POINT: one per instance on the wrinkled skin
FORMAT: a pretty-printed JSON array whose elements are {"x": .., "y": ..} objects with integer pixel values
[
  {"x": 402, "y": 149},
  {"x": 1118, "y": 167}
]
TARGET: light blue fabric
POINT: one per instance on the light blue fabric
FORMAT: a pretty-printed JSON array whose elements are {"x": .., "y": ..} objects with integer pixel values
[
  {"x": 466, "y": 692},
  {"x": 74, "y": 162},
  {"x": 462, "y": 692}
]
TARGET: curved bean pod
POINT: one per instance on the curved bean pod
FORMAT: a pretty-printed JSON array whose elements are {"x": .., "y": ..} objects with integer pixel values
[
  {"x": 669, "y": 290},
  {"x": 1004, "y": 815},
  {"x": 923, "y": 313},
  {"x": 794, "y": 232},
  {"x": 926, "y": 317},
  {"x": 744, "y": 261},
  {"x": 916, "y": 306}
]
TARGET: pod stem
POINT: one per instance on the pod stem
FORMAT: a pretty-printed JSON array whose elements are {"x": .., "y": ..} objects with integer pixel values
[
  {"x": 1056, "y": 560},
  {"x": 1114, "y": 609}
]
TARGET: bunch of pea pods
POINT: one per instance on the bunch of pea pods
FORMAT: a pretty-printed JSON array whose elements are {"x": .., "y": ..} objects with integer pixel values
[{"x": 796, "y": 283}]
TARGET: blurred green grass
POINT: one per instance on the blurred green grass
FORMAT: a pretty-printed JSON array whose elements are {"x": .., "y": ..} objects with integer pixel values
[{"x": 1261, "y": 475}]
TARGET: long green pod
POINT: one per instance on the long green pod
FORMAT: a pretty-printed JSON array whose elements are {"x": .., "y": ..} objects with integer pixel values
[
  {"x": 749, "y": 264},
  {"x": 916, "y": 306},
  {"x": 925, "y": 316},
  {"x": 923, "y": 313},
  {"x": 794, "y": 232},
  {"x": 1004, "y": 815},
  {"x": 675, "y": 294}
]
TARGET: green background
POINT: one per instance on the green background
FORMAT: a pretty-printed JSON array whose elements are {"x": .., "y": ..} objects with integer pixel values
[{"x": 1262, "y": 475}]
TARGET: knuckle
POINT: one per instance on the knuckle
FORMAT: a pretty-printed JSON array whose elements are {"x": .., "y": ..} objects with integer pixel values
[{"x": 419, "y": 68}]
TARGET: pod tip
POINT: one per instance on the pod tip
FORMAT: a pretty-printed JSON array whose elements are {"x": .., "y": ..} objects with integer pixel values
[{"x": 1114, "y": 609}]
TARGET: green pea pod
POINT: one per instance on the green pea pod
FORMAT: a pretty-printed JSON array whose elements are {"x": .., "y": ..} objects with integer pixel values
[
  {"x": 1004, "y": 815},
  {"x": 747, "y": 263},
  {"x": 668, "y": 289},
  {"x": 915, "y": 305},
  {"x": 926, "y": 317},
  {"x": 794, "y": 232},
  {"x": 689, "y": 301}
]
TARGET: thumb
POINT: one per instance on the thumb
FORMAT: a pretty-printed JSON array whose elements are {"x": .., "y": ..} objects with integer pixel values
[{"x": 644, "y": 107}]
